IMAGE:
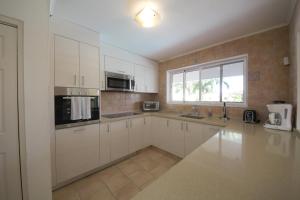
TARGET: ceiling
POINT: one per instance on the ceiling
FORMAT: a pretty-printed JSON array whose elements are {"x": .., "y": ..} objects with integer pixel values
[{"x": 186, "y": 25}]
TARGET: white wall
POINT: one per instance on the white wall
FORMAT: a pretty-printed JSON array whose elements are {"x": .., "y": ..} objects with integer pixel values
[{"x": 34, "y": 14}]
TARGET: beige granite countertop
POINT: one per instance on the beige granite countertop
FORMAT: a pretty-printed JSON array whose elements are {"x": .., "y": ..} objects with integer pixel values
[
  {"x": 207, "y": 120},
  {"x": 240, "y": 162}
]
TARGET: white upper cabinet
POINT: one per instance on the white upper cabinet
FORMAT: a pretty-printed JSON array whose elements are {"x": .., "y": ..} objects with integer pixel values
[
  {"x": 151, "y": 79},
  {"x": 76, "y": 64},
  {"x": 118, "y": 66},
  {"x": 89, "y": 66},
  {"x": 139, "y": 75},
  {"x": 66, "y": 61}
]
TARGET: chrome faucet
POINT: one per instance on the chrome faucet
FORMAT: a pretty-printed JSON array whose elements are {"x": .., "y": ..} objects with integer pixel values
[{"x": 225, "y": 115}]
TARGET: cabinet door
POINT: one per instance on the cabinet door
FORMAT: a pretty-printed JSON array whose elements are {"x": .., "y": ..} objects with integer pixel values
[
  {"x": 139, "y": 75},
  {"x": 160, "y": 132},
  {"x": 89, "y": 66},
  {"x": 66, "y": 62},
  {"x": 118, "y": 66},
  {"x": 77, "y": 151},
  {"x": 151, "y": 81},
  {"x": 119, "y": 139},
  {"x": 176, "y": 138},
  {"x": 147, "y": 132},
  {"x": 197, "y": 134},
  {"x": 104, "y": 144},
  {"x": 136, "y": 134}
]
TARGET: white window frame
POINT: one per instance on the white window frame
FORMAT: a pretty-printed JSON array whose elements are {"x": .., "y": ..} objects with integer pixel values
[{"x": 211, "y": 64}]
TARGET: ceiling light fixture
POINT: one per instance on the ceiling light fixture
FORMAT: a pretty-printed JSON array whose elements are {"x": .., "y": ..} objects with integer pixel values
[{"x": 147, "y": 17}]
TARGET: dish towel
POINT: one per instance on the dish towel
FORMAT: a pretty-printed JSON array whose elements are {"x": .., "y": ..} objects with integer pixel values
[
  {"x": 86, "y": 108},
  {"x": 76, "y": 108}
]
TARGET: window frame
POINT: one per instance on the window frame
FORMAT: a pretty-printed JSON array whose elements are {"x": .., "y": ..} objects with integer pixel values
[{"x": 211, "y": 64}]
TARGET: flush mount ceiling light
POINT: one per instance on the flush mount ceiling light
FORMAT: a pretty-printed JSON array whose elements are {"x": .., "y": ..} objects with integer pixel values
[{"x": 147, "y": 17}]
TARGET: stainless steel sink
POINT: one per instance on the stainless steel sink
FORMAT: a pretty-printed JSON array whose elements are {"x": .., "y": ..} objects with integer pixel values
[
  {"x": 116, "y": 115},
  {"x": 192, "y": 116}
]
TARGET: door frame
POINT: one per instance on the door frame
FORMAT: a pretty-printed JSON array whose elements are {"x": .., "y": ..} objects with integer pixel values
[{"x": 19, "y": 25}]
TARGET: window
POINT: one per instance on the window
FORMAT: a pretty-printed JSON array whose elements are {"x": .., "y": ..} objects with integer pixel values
[{"x": 210, "y": 83}]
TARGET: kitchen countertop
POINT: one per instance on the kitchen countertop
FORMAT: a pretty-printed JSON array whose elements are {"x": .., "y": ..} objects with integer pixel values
[
  {"x": 207, "y": 120},
  {"x": 242, "y": 161}
]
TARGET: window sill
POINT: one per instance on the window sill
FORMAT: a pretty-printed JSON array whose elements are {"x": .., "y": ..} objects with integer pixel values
[{"x": 216, "y": 104}]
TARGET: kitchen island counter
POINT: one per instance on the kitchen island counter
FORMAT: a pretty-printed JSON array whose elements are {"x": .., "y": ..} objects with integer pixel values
[{"x": 242, "y": 161}]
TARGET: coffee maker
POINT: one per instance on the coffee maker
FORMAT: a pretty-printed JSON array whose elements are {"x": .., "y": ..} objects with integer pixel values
[{"x": 280, "y": 117}]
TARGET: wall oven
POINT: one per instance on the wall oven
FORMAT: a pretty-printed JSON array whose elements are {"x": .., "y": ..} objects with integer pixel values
[
  {"x": 76, "y": 107},
  {"x": 119, "y": 82}
]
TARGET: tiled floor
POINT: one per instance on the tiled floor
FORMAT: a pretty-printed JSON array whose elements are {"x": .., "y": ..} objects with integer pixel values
[{"x": 121, "y": 181}]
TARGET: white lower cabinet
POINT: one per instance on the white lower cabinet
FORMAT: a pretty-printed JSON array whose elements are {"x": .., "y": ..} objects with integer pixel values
[
  {"x": 176, "y": 138},
  {"x": 147, "y": 132},
  {"x": 77, "y": 151},
  {"x": 160, "y": 132},
  {"x": 197, "y": 134},
  {"x": 136, "y": 134},
  {"x": 119, "y": 139},
  {"x": 104, "y": 144}
]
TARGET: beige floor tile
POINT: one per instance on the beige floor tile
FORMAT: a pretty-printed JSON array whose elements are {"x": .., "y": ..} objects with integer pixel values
[
  {"x": 116, "y": 182},
  {"x": 128, "y": 167},
  {"x": 108, "y": 173},
  {"x": 89, "y": 187},
  {"x": 147, "y": 163},
  {"x": 102, "y": 195},
  {"x": 127, "y": 192},
  {"x": 66, "y": 193},
  {"x": 141, "y": 178},
  {"x": 158, "y": 171}
]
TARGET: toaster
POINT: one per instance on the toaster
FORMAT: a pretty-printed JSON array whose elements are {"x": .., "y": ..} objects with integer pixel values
[
  {"x": 250, "y": 116},
  {"x": 150, "y": 106}
]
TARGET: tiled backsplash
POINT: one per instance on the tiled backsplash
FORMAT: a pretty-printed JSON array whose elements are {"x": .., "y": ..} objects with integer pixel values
[
  {"x": 268, "y": 78},
  {"x": 116, "y": 102}
]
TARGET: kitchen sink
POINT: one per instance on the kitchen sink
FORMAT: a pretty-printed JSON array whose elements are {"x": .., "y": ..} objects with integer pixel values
[
  {"x": 116, "y": 115},
  {"x": 192, "y": 116}
]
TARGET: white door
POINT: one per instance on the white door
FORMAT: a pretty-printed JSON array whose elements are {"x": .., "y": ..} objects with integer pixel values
[
  {"x": 104, "y": 144},
  {"x": 176, "y": 138},
  {"x": 10, "y": 179},
  {"x": 160, "y": 132},
  {"x": 119, "y": 139},
  {"x": 66, "y": 62},
  {"x": 139, "y": 76},
  {"x": 136, "y": 134},
  {"x": 77, "y": 151},
  {"x": 89, "y": 66}
]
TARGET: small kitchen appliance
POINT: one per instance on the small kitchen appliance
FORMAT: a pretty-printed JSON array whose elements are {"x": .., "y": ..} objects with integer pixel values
[
  {"x": 250, "y": 116},
  {"x": 280, "y": 117},
  {"x": 119, "y": 82},
  {"x": 150, "y": 106}
]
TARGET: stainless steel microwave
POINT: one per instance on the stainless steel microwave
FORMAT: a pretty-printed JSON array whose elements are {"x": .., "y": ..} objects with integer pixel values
[
  {"x": 151, "y": 106},
  {"x": 119, "y": 82}
]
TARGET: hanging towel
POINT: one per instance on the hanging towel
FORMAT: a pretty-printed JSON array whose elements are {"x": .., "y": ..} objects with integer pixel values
[
  {"x": 76, "y": 108},
  {"x": 86, "y": 108}
]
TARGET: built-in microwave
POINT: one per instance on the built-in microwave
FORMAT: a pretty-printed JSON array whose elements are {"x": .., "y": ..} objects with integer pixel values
[
  {"x": 76, "y": 107},
  {"x": 119, "y": 82}
]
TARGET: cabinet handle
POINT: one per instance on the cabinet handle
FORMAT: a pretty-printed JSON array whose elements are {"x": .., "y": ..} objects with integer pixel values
[
  {"x": 82, "y": 80},
  {"x": 75, "y": 79},
  {"x": 187, "y": 127},
  {"x": 182, "y": 126},
  {"x": 144, "y": 120},
  {"x": 130, "y": 123}
]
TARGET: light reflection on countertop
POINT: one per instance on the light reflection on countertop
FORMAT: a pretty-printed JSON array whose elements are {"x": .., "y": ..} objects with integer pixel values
[{"x": 242, "y": 161}]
